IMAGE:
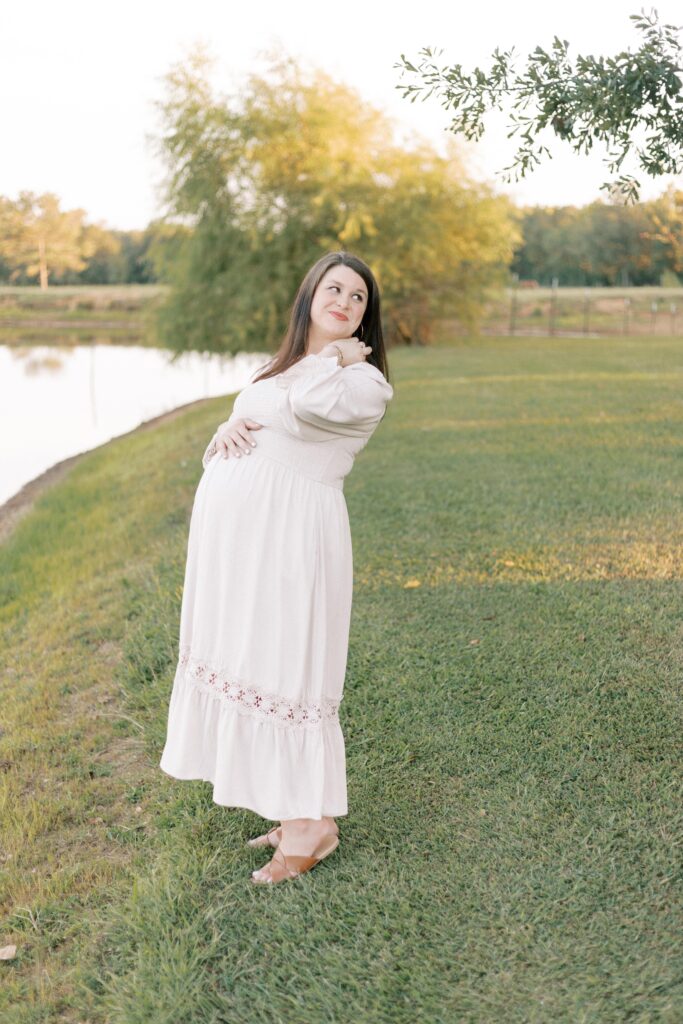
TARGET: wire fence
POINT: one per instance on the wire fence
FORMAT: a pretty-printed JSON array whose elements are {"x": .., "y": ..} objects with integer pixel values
[{"x": 585, "y": 312}]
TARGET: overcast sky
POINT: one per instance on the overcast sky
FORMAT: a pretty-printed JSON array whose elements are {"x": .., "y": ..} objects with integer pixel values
[{"x": 78, "y": 81}]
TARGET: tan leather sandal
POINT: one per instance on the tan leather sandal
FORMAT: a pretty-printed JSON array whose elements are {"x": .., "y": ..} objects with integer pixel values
[
  {"x": 269, "y": 839},
  {"x": 284, "y": 868}
]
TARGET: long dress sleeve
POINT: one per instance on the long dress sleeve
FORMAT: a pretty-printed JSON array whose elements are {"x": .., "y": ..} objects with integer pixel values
[{"x": 320, "y": 398}]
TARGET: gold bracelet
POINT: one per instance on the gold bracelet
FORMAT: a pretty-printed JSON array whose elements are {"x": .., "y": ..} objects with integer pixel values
[{"x": 340, "y": 355}]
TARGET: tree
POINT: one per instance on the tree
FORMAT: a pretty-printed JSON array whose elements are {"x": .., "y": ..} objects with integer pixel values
[
  {"x": 39, "y": 239},
  {"x": 104, "y": 264},
  {"x": 668, "y": 227},
  {"x": 293, "y": 166},
  {"x": 621, "y": 249},
  {"x": 582, "y": 102}
]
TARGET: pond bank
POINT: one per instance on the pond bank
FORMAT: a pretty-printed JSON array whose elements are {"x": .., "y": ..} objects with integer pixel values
[{"x": 16, "y": 507}]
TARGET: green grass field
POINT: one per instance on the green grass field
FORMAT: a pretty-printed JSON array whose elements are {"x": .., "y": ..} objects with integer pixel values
[
  {"x": 511, "y": 716},
  {"x": 64, "y": 315}
]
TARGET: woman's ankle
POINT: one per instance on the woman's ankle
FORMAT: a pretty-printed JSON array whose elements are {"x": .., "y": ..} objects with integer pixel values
[{"x": 299, "y": 825}]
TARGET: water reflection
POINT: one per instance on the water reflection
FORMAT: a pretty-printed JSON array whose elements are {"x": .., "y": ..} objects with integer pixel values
[
  {"x": 57, "y": 401},
  {"x": 36, "y": 360}
]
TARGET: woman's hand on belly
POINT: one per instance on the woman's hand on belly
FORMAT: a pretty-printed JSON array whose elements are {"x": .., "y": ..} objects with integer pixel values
[{"x": 234, "y": 437}]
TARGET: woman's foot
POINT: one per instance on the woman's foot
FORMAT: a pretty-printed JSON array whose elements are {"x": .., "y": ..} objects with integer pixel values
[{"x": 300, "y": 837}]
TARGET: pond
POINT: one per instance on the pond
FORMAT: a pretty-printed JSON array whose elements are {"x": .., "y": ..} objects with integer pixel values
[{"x": 57, "y": 401}]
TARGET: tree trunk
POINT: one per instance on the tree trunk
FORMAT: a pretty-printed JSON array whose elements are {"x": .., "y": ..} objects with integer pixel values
[
  {"x": 42, "y": 263},
  {"x": 404, "y": 332}
]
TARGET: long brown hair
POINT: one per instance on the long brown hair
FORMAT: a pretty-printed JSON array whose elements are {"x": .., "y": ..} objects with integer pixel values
[{"x": 293, "y": 347}]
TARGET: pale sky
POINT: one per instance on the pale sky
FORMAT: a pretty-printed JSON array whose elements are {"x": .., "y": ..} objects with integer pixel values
[{"x": 78, "y": 81}]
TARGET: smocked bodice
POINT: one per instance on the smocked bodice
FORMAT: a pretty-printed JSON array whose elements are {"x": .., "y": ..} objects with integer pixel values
[{"x": 315, "y": 417}]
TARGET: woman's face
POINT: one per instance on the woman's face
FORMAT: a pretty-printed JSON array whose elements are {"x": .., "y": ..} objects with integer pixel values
[{"x": 339, "y": 302}]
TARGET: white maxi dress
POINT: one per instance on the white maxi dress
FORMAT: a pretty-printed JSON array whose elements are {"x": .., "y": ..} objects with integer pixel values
[{"x": 266, "y": 606}]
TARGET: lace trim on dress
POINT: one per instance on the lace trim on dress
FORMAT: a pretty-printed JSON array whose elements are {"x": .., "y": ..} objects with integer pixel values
[{"x": 271, "y": 707}]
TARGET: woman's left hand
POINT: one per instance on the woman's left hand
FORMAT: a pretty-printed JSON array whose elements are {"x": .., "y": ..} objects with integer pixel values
[{"x": 353, "y": 350}]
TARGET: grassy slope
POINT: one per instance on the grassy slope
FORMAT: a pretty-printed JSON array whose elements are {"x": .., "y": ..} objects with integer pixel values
[{"x": 510, "y": 723}]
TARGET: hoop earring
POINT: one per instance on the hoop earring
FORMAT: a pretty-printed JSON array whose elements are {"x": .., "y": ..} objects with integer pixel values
[{"x": 361, "y": 332}]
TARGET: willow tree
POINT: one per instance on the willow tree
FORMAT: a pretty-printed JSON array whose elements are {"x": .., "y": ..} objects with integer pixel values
[{"x": 296, "y": 164}]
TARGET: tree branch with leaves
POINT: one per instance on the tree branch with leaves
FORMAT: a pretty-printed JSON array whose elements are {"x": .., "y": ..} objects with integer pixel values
[{"x": 583, "y": 102}]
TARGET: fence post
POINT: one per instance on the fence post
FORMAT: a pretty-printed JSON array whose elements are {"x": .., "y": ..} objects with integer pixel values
[
  {"x": 586, "y": 309},
  {"x": 653, "y": 318},
  {"x": 673, "y": 317},
  {"x": 553, "y": 305},
  {"x": 513, "y": 305}
]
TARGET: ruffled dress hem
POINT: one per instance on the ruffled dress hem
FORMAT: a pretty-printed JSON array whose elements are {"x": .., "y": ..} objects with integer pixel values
[{"x": 277, "y": 771}]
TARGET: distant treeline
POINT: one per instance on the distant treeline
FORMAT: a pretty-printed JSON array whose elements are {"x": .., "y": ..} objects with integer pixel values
[
  {"x": 603, "y": 243},
  {"x": 600, "y": 244}
]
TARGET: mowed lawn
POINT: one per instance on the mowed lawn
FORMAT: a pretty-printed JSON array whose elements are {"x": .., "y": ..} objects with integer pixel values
[{"x": 511, "y": 715}]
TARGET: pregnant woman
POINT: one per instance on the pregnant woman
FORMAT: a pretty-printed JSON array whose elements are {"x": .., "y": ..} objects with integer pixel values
[{"x": 266, "y": 608}]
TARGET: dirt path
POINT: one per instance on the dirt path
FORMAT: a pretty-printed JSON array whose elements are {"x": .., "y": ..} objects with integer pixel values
[{"x": 16, "y": 507}]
